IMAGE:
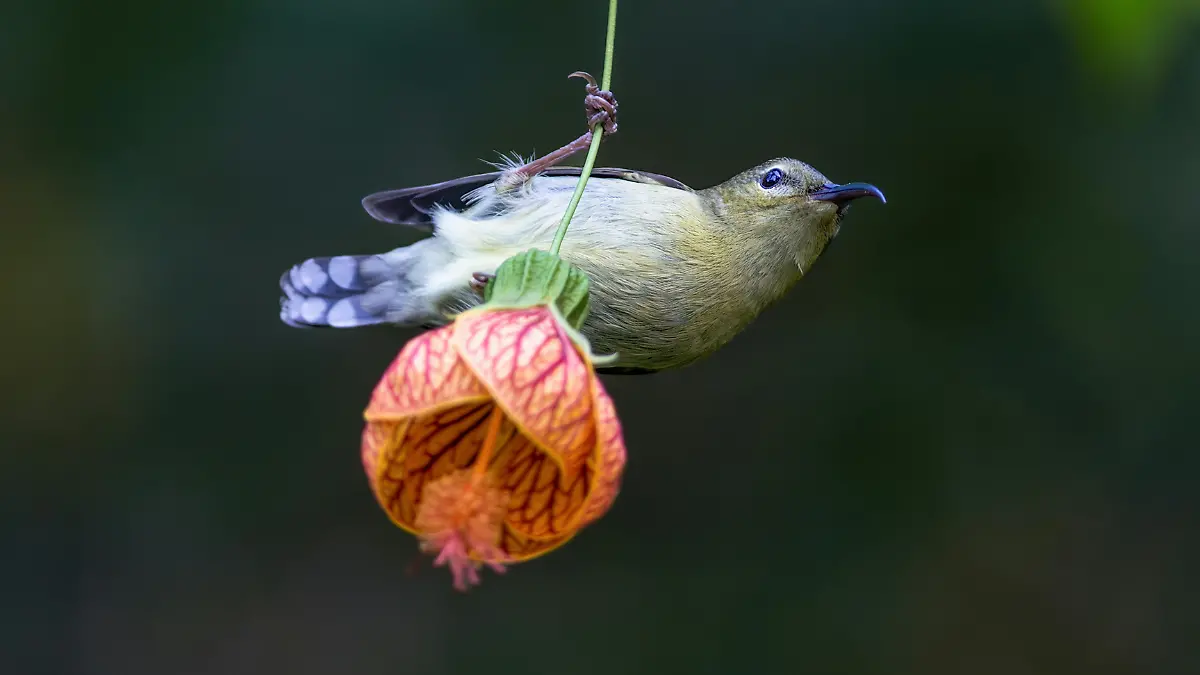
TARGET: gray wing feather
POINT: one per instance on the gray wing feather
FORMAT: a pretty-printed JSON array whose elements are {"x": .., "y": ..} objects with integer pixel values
[{"x": 414, "y": 206}]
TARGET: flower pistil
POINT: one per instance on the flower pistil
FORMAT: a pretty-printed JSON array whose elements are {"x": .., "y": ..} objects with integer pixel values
[{"x": 462, "y": 515}]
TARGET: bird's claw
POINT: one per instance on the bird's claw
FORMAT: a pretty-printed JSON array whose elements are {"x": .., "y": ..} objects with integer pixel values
[
  {"x": 601, "y": 109},
  {"x": 479, "y": 282},
  {"x": 600, "y": 106}
]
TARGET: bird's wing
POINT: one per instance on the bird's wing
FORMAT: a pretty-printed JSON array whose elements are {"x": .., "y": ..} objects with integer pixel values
[{"x": 414, "y": 206}]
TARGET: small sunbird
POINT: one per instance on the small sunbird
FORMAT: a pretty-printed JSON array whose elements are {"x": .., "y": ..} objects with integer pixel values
[{"x": 675, "y": 273}]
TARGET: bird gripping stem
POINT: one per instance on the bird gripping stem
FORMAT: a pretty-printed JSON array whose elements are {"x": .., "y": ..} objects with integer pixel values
[
  {"x": 536, "y": 277},
  {"x": 597, "y": 133}
]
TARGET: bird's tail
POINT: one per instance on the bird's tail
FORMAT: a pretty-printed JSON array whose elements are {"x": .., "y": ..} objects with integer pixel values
[{"x": 347, "y": 291}]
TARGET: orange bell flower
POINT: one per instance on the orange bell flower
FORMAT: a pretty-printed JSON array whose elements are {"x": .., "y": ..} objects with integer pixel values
[{"x": 492, "y": 439}]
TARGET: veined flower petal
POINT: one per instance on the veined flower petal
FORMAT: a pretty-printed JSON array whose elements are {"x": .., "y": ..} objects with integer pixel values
[
  {"x": 429, "y": 447},
  {"x": 427, "y": 373},
  {"x": 547, "y": 508},
  {"x": 609, "y": 458},
  {"x": 380, "y": 445},
  {"x": 536, "y": 373},
  {"x": 543, "y": 502}
]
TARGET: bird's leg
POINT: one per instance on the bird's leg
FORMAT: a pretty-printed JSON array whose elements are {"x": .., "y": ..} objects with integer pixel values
[
  {"x": 599, "y": 106},
  {"x": 479, "y": 282}
]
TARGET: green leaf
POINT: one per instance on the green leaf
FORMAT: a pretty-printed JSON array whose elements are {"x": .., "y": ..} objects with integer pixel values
[{"x": 536, "y": 277}]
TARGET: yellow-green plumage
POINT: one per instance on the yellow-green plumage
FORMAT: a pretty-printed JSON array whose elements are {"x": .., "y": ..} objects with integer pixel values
[{"x": 675, "y": 273}]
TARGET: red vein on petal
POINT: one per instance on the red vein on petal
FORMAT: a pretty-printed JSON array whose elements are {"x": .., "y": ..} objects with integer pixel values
[
  {"x": 553, "y": 417},
  {"x": 427, "y": 374},
  {"x": 608, "y": 461},
  {"x": 434, "y": 445},
  {"x": 542, "y": 504}
]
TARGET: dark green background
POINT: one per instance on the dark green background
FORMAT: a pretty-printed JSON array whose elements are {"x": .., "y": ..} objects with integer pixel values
[{"x": 964, "y": 444}]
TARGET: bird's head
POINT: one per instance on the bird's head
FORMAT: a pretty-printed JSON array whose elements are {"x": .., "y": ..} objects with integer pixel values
[{"x": 788, "y": 204}]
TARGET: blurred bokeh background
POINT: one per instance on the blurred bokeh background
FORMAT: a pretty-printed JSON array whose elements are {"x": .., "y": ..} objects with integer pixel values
[{"x": 965, "y": 443}]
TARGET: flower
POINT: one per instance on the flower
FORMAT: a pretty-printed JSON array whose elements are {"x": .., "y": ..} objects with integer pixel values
[{"x": 492, "y": 439}]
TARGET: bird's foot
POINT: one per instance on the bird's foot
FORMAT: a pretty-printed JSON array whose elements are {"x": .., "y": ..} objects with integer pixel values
[
  {"x": 479, "y": 282},
  {"x": 600, "y": 106}
]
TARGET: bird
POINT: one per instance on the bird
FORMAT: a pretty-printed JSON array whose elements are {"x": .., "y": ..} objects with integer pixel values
[{"x": 675, "y": 272}]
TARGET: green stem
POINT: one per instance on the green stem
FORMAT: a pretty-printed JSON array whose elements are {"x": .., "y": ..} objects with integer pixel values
[{"x": 597, "y": 132}]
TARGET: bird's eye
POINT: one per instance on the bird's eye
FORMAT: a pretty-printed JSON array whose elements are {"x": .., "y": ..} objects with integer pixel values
[{"x": 771, "y": 178}]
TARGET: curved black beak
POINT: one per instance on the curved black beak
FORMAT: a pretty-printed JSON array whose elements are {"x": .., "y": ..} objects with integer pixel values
[{"x": 843, "y": 194}]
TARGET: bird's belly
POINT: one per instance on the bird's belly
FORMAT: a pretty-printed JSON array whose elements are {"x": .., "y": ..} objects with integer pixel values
[{"x": 655, "y": 324}]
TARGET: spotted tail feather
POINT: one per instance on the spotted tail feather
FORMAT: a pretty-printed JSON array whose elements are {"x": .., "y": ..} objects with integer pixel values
[{"x": 347, "y": 291}]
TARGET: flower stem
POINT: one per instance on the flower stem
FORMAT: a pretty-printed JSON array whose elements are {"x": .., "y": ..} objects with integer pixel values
[{"x": 597, "y": 132}]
